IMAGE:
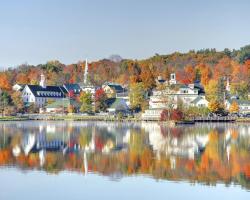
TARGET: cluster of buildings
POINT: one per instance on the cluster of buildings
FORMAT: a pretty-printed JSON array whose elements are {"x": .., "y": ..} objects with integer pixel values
[
  {"x": 174, "y": 94},
  {"x": 187, "y": 95},
  {"x": 57, "y": 98}
]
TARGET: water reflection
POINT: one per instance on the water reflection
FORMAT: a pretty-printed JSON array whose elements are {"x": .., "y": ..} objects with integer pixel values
[{"x": 204, "y": 153}]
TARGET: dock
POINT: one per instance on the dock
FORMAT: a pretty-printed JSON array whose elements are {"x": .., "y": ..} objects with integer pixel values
[{"x": 214, "y": 119}]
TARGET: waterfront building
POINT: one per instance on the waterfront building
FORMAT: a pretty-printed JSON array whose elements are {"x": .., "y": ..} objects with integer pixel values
[
  {"x": 41, "y": 94},
  {"x": 171, "y": 94},
  {"x": 116, "y": 105},
  {"x": 244, "y": 105},
  {"x": 114, "y": 89}
]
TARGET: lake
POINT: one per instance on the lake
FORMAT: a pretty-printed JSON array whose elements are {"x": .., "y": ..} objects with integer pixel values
[{"x": 110, "y": 160}]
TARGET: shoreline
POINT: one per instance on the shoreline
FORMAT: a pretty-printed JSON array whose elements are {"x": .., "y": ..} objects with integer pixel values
[{"x": 104, "y": 118}]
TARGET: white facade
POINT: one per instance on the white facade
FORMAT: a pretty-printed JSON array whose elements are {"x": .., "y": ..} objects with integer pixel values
[
  {"x": 172, "y": 80},
  {"x": 40, "y": 94},
  {"x": 244, "y": 106},
  {"x": 186, "y": 94},
  {"x": 29, "y": 97},
  {"x": 200, "y": 102},
  {"x": 89, "y": 88}
]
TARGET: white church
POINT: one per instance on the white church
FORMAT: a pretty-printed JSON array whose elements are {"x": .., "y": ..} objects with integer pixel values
[{"x": 42, "y": 93}]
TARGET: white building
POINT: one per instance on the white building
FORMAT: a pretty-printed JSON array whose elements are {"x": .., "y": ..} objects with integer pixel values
[
  {"x": 244, "y": 105},
  {"x": 189, "y": 95},
  {"x": 174, "y": 93},
  {"x": 40, "y": 94}
]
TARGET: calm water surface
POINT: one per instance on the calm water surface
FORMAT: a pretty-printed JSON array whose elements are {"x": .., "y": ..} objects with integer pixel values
[{"x": 93, "y": 160}]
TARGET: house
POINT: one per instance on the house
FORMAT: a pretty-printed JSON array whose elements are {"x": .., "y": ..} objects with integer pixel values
[
  {"x": 89, "y": 88},
  {"x": 18, "y": 87},
  {"x": 171, "y": 94},
  {"x": 244, "y": 105},
  {"x": 200, "y": 102},
  {"x": 174, "y": 93},
  {"x": 116, "y": 105},
  {"x": 112, "y": 89},
  {"x": 41, "y": 94},
  {"x": 74, "y": 88},
  {"x": 61, "y": 106}
]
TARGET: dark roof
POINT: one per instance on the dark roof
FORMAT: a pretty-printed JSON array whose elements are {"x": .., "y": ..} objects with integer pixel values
[
  {"x": 116, "y": 87},
  {"x": 72, "y": 87},
  {"x": 110, "y": 101},
  {"x": 161, "y": 80},
  {"x": 117, "y": 103},
  {"x": 63, "y": 89},
  {"x": 49, "y": 91}
]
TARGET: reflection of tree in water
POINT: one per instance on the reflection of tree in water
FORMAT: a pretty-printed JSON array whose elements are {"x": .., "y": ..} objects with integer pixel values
[{"x": 225, "y": 157}]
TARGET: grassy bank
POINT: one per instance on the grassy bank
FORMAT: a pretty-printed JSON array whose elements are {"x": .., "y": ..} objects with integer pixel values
[
  {"x": 243, "y": 120},
  {"x": 13, "y": 118},
  {"x": 78, "y": 118}
]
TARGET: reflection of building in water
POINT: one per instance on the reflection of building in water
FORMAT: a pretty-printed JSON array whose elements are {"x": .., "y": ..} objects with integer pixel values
[
  {"x": 85, "y": 164},
  {"x": 225, "y": 156},
  {"x": 163, "y": 140},
  {"x": 234, "y": 136},
  {"x": 37, "y": 142}
]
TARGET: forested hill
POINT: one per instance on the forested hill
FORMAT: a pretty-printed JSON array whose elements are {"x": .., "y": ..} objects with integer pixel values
[{"x": 204, "y": 65}]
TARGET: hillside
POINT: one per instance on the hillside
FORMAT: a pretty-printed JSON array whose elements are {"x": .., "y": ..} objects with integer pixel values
[{"x": 202, "y": 65}]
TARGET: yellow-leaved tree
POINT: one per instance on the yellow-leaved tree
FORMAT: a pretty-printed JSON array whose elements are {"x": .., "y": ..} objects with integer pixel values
[
  {"x": 214, "y": 106},
  {"x": 234, "y": 108}
]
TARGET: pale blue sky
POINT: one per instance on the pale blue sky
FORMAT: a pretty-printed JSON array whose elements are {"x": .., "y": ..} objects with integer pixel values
[{"x": 36, "y": 31}]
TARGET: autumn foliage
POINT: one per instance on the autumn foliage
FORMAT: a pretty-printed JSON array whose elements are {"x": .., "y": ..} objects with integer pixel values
[{"x": 174, "y": 114}]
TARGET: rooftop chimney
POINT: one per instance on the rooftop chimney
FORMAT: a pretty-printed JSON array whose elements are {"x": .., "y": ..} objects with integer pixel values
[{"x": 43, "y": 81}]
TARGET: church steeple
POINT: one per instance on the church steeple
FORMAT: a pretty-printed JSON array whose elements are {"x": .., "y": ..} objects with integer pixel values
[
  {"x": 228, "y": 85},
  {"x": 85, "y": 80}
]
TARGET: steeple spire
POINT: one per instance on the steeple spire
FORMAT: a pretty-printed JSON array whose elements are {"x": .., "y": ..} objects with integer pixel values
[
  {"x": 228, "y": 85},
  {"x": 86, "y": 72}
]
